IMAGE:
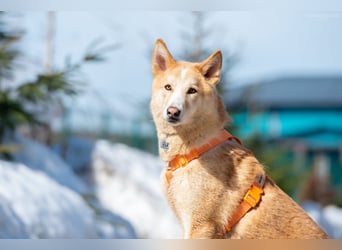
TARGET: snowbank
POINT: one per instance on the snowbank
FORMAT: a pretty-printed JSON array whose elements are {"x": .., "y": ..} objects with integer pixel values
[
  {"x": 40, "y": 158},
  {"x": 11, "y": 226},
  {"x": 77, "y": 153},
  {"x": 127, "y": 183},
  {"x": 328, "y": 217},
  {"x": 41, "y": 197},
  {"x": 35, "y": 206}
]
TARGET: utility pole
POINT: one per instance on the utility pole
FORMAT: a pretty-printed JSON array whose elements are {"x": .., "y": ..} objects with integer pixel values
[
  {"x": 50, "y": 41},
  {"x": 198, "y": 37},
  {"x": 49, "y": 57}
]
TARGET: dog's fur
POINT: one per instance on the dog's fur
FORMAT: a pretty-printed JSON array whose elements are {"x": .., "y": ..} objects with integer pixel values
[{"x": 187, "y": 113}]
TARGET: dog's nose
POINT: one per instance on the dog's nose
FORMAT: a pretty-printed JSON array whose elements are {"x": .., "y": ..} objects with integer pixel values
[{"x": 173, "y": 112}]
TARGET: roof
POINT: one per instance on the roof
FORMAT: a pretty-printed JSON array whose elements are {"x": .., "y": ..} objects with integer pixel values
[{"x": 288, "y": 92}]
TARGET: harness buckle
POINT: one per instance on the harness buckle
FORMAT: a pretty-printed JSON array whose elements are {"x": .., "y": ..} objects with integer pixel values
[
  {"x": 183, "y": 161},
  {"x": 253, "y": 196}
]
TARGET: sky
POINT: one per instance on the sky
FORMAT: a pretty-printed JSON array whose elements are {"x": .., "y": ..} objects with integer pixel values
[
  {"x": 213, "y": 5},
  {"x": 268, "y": 44}
]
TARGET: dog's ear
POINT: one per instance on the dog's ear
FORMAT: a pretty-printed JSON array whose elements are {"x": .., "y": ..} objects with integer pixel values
[
  {"x": 211, "y": 67},
  {"x": 161, "y": 57}
]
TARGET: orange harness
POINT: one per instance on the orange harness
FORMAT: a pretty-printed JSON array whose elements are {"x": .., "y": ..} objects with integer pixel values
[{"x": 254, "y": 193}]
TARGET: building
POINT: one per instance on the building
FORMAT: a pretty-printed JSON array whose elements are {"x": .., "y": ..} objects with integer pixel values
[{"x": 302, "y": 113}]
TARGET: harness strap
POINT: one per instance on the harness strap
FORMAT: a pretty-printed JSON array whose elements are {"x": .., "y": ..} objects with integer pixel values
[
  {"x": 183, "y": 160},
  {"x": 253, "y": 196},
  {"x": 251, "y": 200}
]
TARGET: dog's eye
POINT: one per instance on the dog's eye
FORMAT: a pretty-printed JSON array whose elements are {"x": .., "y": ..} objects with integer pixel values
[
  {"x": 168, "y": 87},
  {"x": 192, "y": 91}
]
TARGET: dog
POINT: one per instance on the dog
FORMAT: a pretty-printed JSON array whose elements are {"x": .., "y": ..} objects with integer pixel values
[{"x": 215, "y": 186}]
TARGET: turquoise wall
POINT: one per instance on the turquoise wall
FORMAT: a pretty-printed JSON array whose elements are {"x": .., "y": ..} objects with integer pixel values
[{"x": 320, "y": 130}]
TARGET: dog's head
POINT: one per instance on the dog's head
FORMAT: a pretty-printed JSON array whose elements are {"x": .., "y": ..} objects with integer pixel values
[{"x": 183, "y": 91}]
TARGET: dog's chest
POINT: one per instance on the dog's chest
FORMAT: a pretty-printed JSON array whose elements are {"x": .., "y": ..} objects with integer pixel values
[
  {"x": 183, "y": 199},
  {"x": 182, "y": 189},
  {"x": 188, "y": 193}
]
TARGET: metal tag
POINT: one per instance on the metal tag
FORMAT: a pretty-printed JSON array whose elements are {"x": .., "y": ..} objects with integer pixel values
[
  {"x": 260, "y": 180},
  {"x": 164, "y": 145}
]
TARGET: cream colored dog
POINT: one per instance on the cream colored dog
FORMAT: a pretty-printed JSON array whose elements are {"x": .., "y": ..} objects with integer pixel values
[{"x": 215, "y": 186}]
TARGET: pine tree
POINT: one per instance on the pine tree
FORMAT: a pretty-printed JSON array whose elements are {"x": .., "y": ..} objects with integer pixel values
[
  {"x": 25, "y": 103},
  {"x": 12, "y": 111}
]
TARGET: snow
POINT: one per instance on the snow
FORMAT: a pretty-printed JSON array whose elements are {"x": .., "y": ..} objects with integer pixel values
[
  {"x": 78, "y": 152},
  {"x": 115, "y": 194},
  {"x": 41, "y": 197},
  {"x": 13, "y": 227},
  {"x": 127, "y": 182},
  {"x": 41, "y": 207},
  {"x": 40, "y": 158},
  {"x": 328, "y": 217}
]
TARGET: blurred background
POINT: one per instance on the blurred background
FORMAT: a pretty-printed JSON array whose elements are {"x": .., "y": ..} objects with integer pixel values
[{"x": 78, "y": 148}]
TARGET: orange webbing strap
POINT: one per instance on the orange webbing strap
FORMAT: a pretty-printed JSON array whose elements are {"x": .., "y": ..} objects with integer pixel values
[
  {"x": 183, "y": 160},
  {"x": 251, "y": 200}
]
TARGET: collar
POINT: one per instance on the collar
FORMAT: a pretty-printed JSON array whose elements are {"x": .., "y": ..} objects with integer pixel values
[{"x": 183, "y": 160}]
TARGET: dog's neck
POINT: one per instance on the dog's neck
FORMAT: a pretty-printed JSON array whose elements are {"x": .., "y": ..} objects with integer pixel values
[
  {"x": 178, "y": 140},
  {"x": 181, "y": 141}
]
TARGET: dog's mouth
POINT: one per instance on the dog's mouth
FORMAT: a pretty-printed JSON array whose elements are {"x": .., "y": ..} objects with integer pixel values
[{"x": 173, "y": 121}]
